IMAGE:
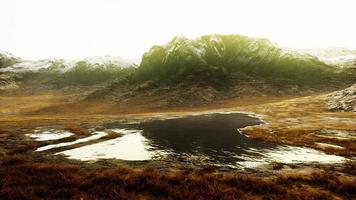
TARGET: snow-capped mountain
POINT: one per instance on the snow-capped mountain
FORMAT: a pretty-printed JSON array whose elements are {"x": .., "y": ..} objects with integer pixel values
[
  {"x": 7, "y": 59},
  {"x": 115, "y": 60},
  {"x": 334, "y": 56},
  {"x": 36, "y": 65},
  {"x": 61, "y": 65}
]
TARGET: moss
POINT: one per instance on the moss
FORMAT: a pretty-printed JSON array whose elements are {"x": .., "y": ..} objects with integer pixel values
[{"x": 230, "y": 59}]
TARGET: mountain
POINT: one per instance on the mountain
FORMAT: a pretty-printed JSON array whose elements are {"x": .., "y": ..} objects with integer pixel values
[
  {"x": 63, "y": 65},
  {"x": 329, "y": 52},
  {"x": 341, "y": 57},
  {"x": 111, "y": 60},
  {"x": 37, "y": 65},
  {"x": 58, "y": 73},
  {"x": 200, "y": 71},
  {"x": 210, "y": 67},
  {"x": 7, "y": 59},
  {"x": 226, "y": 59}
]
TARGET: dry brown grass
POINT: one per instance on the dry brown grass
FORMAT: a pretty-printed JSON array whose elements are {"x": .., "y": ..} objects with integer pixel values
[
  {"x": 21, "y": 104},
  {"x": 296, "y": 121},
  {"x": 76, "y": 129},
  {"x": 22, "y": 178},
  {"x": 290, "y": 122}
]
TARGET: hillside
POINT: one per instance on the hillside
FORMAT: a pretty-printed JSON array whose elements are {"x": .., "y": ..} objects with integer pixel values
[
  {"x": 229, "y": 59},
  {"x": 48, "y": 74},
  {"x": 7, "y": 59},
  {"x": 344, "y": 100},
  {"x": 60, "y": 65},
  {"x": 219, "y": 67},
  {"x": 183, "y": 72},
  {"x": 341, "y": 57}
]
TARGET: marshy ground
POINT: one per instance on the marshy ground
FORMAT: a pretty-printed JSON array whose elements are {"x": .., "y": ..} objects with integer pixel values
[{"x": 298, "y": 121}]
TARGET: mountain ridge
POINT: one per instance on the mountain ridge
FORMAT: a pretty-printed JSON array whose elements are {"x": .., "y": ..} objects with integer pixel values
[
  {"x": 185, "y": 71},
  {"x": 227, "y": 57}
]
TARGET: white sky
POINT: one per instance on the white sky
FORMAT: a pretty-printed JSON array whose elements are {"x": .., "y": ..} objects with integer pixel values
[{"x": 34, "y": 29}]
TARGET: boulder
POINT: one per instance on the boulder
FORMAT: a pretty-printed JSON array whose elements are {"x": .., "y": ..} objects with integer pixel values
[{"x": 344, "y": 100}]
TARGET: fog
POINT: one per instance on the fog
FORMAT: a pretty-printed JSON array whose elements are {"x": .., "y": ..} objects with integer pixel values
[{"x": 75, "y": 29}]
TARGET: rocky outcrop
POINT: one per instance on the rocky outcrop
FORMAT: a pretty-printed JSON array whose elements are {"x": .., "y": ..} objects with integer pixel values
[
  {"x": 341, "y": 57},
  {"x": 6, "y": 82},
  {"x": 62, "y": 65},
  {"x": 7, "y": 59},
  {"x": 344, "y": 100}
]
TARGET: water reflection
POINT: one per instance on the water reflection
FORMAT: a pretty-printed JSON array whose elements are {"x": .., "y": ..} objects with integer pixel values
[
  {"x": 96, "y": 135},
  {"x": 132, "y": 146},
  {"x": 213, "y": 138},
  {"x": 51, "y": 134}
]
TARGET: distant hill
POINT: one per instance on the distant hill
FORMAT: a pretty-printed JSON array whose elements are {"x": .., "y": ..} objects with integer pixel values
[
  {"x": 60, "y": 72},
  {"x": 61, "y": 65},
  {"x": 7, "y": 59},
  {"x": 342, "y": 57},
  {"x": 329, "y": 52},
  {"x": 184, "y": 72},
  {"x": 227, "y": 59},
  {"x": 200, "y": 71}
]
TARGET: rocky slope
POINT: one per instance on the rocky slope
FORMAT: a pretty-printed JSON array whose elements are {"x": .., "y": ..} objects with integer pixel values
[
  {"x": 62, "y": 65},
  {"x": 47, "y": 74},
  {"x": 193, "y": 72},
  {"x": 184, "y": 72},
  {"x": 344, "y": 100},
  {"x": 7, "y": 82},
  {"x": 223, "y": 59},
  {"x": 7, "y": 59},
  {"x": 341, "y": 57}
]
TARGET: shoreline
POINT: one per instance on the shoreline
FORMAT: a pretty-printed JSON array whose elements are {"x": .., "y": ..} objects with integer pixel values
[{"x": 17, "y": 156}]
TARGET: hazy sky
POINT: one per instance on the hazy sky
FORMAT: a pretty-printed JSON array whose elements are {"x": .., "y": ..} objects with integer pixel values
[{"x": 36, "y": 29}]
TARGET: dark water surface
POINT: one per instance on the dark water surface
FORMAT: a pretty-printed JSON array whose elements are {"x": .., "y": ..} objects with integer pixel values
[
  {"x": 214, "y": 137},
  {"x": 210, "y": 139}
]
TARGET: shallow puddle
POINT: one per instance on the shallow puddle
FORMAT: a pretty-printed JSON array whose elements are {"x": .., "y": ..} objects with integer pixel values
[
  {"x": 96, "y": 135},
  {"x": 289, "y": 155},
  {"x": 132, "y": 146},
  {"x": 52, "y": 134}
]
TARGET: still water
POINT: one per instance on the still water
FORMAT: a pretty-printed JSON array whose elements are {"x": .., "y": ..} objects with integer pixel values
[{"x": 211, "y": 138}]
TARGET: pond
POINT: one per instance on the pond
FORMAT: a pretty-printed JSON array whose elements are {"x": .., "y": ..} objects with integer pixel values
[{"x": 211, "y": 138}]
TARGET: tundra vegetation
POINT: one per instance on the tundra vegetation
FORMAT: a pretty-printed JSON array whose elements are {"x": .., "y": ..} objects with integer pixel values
[{"x": 298, "y": 94}]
